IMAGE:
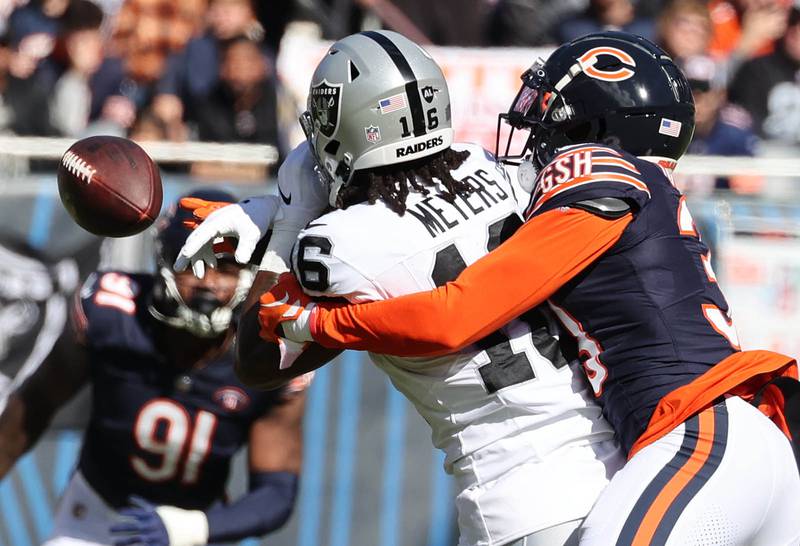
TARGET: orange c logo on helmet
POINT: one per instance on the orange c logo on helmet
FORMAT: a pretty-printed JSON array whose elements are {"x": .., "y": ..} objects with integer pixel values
[{"x": 589, "y": 59}]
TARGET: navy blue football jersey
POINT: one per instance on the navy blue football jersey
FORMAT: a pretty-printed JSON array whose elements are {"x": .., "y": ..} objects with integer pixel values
[
  {"x": 648, "y": 315},
  {"x": 156, "y": 431}
]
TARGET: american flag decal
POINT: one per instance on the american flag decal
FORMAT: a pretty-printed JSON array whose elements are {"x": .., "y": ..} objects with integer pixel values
[
  {"x": 670, "y": 127},
  {"x": 393, "y": 103}
]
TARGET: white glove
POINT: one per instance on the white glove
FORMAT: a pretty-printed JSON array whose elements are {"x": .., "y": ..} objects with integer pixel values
[
  {"x": 303, "y": 197},
  {"x": 526, "y": 174},
  {"x": 247, "y": 221}
]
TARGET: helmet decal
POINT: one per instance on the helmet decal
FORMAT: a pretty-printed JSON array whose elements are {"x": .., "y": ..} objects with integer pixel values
[
  {"x": 670, "y": 127},
  {"x": 396, "y": 109},
  {"x": 392, "y": 104},
  {"x": 325, "y": 102},
  {"x": 373, "y": 134},
  {"x": 589, "y": 59},
  {"x": 412, "y": 84}
]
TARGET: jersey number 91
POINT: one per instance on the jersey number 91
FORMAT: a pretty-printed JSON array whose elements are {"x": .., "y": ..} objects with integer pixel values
[{"x": 177, "y": 430}]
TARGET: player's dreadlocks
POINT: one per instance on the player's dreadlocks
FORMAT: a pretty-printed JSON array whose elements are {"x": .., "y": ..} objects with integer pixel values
[{"x": 392, "y": 183}]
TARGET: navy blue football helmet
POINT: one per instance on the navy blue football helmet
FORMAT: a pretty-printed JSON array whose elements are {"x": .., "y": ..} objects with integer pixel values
[
  {"x": 204, "y": 315},
  {"x": 610, "y": 88}
]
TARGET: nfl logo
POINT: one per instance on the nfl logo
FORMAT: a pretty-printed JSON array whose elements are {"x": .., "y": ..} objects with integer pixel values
[{"x": 373, "y": 134}]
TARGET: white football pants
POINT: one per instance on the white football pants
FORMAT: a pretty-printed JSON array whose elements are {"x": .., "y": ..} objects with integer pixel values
[
  {"x": 82, "y": 517},
  {"x": 727, "y": 476}
]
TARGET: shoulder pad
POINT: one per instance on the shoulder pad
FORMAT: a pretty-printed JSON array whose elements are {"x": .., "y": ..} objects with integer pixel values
[
  {"x": 114, "y": 305},
  {"x": 588, "y": 172},
  {"x": 319, "y": 264},
  {"x": 605, "y": 207}
]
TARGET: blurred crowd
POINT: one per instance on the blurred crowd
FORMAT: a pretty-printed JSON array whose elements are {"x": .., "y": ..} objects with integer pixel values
[
  {"x": 148, "y": 69},
  {"x": 205, "y": 69}
]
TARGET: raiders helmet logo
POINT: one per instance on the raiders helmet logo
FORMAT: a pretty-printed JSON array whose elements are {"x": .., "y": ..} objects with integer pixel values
[
  {"x": 610, "y": 72},
  {"x": 428, "y": 93},
  {"x": 325, "y": 106},
  {"x": 33, "y": 306}
]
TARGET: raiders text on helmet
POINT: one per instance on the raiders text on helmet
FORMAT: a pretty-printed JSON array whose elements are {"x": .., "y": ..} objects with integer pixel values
[
  {"x": 609, "y": 88},
  {"x": 376, "y": 99}
]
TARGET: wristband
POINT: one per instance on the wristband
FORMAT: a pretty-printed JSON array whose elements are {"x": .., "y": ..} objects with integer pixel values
[{"x": 184, "y": 527}]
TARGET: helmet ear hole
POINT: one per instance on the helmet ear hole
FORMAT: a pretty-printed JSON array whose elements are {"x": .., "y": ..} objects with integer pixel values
[
  {"x": 579, "y": 133},
  {"x": 332, "y": 147}
]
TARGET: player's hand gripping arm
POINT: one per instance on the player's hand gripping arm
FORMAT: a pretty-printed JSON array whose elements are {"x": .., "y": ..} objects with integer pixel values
[
  {"x": 31, "y": 405},
  {"x": 546, "y": 252},
  {"x": 275, "y": 450},
  {"x": 264, "y": 361}
]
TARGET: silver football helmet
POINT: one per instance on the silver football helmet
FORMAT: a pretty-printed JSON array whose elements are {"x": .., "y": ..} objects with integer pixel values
[{"x": 376, "y": 99}]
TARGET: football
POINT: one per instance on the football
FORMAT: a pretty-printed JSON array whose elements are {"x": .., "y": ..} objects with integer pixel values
[{"x": 110, "y": 186}]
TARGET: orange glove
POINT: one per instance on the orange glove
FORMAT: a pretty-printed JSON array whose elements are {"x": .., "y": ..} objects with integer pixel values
[
  {"x": 285, "y": 304},
  {"x": 200, "y": 209}
]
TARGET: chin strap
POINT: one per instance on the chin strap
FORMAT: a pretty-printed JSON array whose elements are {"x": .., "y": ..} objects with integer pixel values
[{"x": 197, "y": 323}]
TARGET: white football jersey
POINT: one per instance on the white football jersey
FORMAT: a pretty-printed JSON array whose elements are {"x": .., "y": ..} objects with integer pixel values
[{"x": 525, "y": 442}]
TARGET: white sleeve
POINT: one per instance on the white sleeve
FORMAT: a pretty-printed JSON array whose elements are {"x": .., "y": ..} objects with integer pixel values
[
  {"x": 323, "y": 273},
  {"x": 303, "y": 197},
  {"x": 503, "y": 171}
]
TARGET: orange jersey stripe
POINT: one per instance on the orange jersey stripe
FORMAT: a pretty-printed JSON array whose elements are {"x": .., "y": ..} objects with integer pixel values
[
  {"x": 741, "y": 374},
  {"x": 589, "y": 148},
  {"x": 602, "y": 177},
  {"x": 615, "y": 162},
  {"x": 673, "y": 488}
]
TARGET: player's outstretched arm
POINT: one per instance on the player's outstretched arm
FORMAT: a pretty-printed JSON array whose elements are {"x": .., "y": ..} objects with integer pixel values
[
  {"x": 246, "y": 221},
  {"x": 302, "y": 197},
  {"x": 549, "y": 250},
  {"x": 31, "y": 405},
  {"x": 275, "y": 458}
]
